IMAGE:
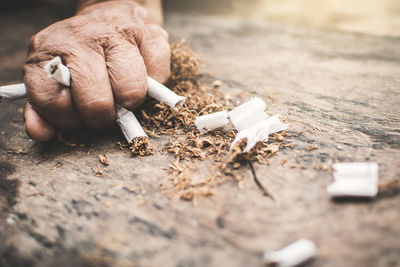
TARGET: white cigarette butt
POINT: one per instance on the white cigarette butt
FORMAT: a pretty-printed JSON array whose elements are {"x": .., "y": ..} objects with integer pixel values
[
  {"x": 292, "y": 255},
  {"x": 161, "y": 93},
  {"x": 212, "y": 121},
  {"x": 12, "y": 92}
]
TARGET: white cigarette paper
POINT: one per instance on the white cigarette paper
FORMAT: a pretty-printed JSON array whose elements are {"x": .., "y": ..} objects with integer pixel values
[
  {"x": 161, "y": 93},
  {"x": 260, "y": 132},
  {"x": 58, "y": 71},
  {"x": 248, "y": 114},
  {"x": 292, "y": 255},
  {"x": 212, "y": 121},
  {"x": 359, "y": 179},
  {"x": 12, "y": 92},
  {"x": 130, "y": 126}
]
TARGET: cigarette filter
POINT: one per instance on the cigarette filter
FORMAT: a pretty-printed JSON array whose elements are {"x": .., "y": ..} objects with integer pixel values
[
  {"x": 12, "y": 92},
  {"x": 212, "y": 121},
  {"x": 161, "y": 93},
  {"x": 292, "y": 255},
  {"x": 248, "y": 114},
  {"x": 58, "y": 71}
]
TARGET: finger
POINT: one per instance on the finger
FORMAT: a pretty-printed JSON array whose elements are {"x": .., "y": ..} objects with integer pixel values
[
  {"x": 127, "y": 73},
  {"x": 156, "y": 53},
  {"x": 37, "y": 127},
  {"x": 91, "y": 89},
  {"x": 51, "y": 100}
]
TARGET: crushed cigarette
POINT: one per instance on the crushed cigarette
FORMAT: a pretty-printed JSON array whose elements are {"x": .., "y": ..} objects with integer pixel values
[
  {"x": 292, "y": 255},
  {"x": 130, "y": 126},
  {"x": 58, "y": 71},
  {"x": 248, "y": 114},
  {"x": 212, "y": 121},
  {"x": 358, "y": 179},
  {"x": 260, "y": 132}
]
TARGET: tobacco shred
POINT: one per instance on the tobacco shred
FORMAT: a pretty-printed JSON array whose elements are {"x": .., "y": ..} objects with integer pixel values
[
  {"x": 188, "y": 145},
  {"x": 103, "y": 158},
  {"x": 141, "y": 146}
]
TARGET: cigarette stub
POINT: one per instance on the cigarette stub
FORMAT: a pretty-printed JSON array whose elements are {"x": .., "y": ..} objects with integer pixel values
[
  {"x": 212, "y": 121},
  {"x": 292, "y": 255},
  {"x": 248, "y": 114},
  {"x": 130, "y": 126},
  {"x": 58, "y": 71},
  {"x": 12, "y": 92},
  {"x": 358, "y": 179},
  {"x": 161, "y": 93}
]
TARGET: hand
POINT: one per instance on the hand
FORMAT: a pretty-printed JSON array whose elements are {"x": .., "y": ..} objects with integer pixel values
[{"x": 109, "y": 48}]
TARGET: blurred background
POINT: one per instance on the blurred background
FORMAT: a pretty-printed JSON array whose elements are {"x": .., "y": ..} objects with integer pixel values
[
  {"x": 379, "y": 17},
  {"x": 20, "y": 19}
]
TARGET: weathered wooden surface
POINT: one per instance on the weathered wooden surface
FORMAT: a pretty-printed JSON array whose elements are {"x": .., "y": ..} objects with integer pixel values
[{"x": 338, "y": 91}]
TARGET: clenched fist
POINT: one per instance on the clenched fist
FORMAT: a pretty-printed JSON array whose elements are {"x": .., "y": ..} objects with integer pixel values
[{"x": 109, "y": 48}]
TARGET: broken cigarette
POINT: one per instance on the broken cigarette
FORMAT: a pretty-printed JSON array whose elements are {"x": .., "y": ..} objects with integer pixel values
[
  {"x": 212, "y": 121},
  {"x": 355, "y": 179},
  {"x": 161, "y": 93},
  {"x": 129, "y": 125},
  {"x": 248, "y": 114},
  {"x": 292, "y": 255},
  {"x": 260, "y": 132}
]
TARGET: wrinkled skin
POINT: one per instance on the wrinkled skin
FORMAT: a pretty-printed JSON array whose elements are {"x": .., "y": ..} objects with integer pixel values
[{"x": 109, "y": 48}]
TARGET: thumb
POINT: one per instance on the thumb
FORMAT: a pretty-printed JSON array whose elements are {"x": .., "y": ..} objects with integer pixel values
[{"x": 36, "y": 127}]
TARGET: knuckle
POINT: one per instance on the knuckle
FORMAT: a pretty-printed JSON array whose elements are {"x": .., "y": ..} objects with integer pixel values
[
  {"x": 98, "y": 113},
  {"x": 134, "y": 99},
  {"x": 140, "y": 13},
  {"x": 156, "y": 31},
  {"x": 35, "y": 41},
  {"x": 98, "y": 106}
]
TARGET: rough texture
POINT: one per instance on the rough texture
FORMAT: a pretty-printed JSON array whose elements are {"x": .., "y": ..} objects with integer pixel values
[{"x": 339, "y": 93}]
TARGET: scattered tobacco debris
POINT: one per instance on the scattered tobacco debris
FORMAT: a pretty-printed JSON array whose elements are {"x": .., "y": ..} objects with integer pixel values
[
  {"x": 103, "y": 158},
  {"x": 40, "y": 194},
  {"x": 56, "y": 165},
  {"x": 188, "y": 145},
  {"x": 141, "y": 146},
  {"x": 390, "y": 188},
  {"x": 99, "y": 172}
]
